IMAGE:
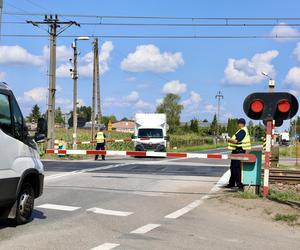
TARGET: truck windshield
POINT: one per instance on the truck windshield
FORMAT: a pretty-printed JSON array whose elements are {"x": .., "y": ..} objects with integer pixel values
[{"x": 150, "y": 133}]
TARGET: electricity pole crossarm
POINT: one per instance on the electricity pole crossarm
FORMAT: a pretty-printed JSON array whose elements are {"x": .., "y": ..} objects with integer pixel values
[
  {"x": 56, "y": 27},
  {"x": 219, "y": 96}
]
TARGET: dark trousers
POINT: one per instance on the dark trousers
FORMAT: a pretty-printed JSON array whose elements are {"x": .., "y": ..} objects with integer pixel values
[
  {"x": 100, "y": 146},
  {"x": 236, "y": 170}
]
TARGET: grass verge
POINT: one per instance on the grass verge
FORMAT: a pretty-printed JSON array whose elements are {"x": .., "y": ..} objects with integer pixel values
[
  {"x": 289, "y": 218},
  {"x": 287, "y": 196},
  {"x": 246, "y": 195},
  {"x": 197, "y": 148}
]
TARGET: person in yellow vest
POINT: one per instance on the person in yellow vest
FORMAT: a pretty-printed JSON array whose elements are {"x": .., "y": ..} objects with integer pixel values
[
  {"x": 238, "y": 143},
  {"x": 100, "y": 139}
]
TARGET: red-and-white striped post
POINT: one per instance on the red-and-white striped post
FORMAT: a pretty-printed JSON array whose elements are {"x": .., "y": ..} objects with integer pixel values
[{"x": 267, "y": 157}]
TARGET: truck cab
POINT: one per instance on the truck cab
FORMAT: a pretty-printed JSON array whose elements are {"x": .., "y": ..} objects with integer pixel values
[
  {"x": 21, "y": 171},
  {"x": 150, "y": 132}
]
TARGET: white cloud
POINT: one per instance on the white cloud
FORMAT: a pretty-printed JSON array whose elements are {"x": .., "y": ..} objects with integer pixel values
[
  {"x": 194, "y": 99},
  {"x": 63, "y": 53},
  {"x": 35, "y": 95},
  {"x": 245, "y": 72},
  {"x": 17, "y": 55},
  {"x": 67, "y": 105},
  {"x": 132, "y": 97},
  {"x": 296, "y": 51},
  {"x": 285, "y": 30},
  {"x": 85, "y": 63},
  {"x": 144, "y": 106},
  {"x": 149, "y": 58},
  {"x": 293, "y": 76},
  {"x": 174, "y": 87}
]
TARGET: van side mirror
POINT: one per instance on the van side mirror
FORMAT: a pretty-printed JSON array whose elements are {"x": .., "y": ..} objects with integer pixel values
[
  {"x": 41, "y": 131},
  {"x": 41, "y": 126},
  {"x": 167, "y": 138}
]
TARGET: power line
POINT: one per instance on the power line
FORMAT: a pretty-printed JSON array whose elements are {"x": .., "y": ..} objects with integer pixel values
[
  {"x": 158, "y": 17},
  {"x": 178, "y": 24},
  {"x": 162, "y": 36}
]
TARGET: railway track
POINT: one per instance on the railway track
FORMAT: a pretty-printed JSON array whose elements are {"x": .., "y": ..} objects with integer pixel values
[{"x": 284, "y": 176}]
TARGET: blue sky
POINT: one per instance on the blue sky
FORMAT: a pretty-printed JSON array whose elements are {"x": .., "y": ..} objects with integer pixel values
[{"x": 137, "y": 73}]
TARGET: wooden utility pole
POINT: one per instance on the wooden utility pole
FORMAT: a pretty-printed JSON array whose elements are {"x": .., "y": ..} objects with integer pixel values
[
  {"x": 54, "y": 24},
  {"x": 99, "y": 113},
  {"x": 95, "y": 45}
]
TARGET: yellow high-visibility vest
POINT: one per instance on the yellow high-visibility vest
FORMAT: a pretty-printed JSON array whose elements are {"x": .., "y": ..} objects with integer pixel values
[
  {"x": 100, "y": 137},
  {"x": 245, "y": 144}
]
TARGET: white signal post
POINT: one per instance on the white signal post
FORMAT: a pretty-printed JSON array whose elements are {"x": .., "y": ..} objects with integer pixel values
[{"x": 269, "y": 141}]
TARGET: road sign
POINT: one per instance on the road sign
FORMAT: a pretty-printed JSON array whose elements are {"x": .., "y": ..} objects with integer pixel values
[{"x": 109, "y": 125}]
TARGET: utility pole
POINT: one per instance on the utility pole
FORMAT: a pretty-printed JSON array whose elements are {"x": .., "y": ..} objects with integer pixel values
[
  {"x": 55, "y": 30},
  {"x": 99, "y": 113},
  {"x": 95, "y": 45},
  {"x": 219, "y": 96},
  {"x": 75, "y": 78}
]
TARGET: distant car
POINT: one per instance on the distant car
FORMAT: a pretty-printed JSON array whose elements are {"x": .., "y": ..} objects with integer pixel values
[{"x": 21, "y": 171}]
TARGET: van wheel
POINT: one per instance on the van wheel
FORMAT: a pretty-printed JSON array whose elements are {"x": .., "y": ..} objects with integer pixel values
[{"x": 25, "y": 204}]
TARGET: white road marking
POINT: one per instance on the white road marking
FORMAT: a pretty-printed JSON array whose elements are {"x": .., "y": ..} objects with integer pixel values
[
  {"x": 222, "y": 181},
  {"x": 108, "y": 212},
  {"x": 106, "y": 246},
  {"x": 58, "y": 207},
  {"x": 184, "y": 210},
  {"x": 145, "y": 229}
]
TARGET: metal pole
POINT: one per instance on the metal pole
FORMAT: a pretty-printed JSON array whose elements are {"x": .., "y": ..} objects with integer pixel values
[
  {"x": 75, "y": 77},
  {"x": 219, "y": 96},
  {"x": 94, "y": 92},
  {"x": 51, "y": 98}
]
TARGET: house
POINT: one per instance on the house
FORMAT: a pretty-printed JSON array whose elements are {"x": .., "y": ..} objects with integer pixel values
[{"x": 123, "y": 126}]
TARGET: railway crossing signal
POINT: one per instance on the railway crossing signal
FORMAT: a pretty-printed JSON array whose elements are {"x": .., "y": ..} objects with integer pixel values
[
  {"x": 266, "y": 106},
  {"x": 273, "y": 108}
]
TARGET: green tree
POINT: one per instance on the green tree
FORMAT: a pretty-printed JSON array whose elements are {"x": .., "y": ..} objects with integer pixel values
[
  {"x": 232, "y": 126},
  {"x": 251, "y": 128},
  {"x": 214, "y": 126},
  {"x": 194, "y": 126},
  {"x": 172, "y": 108},
  {"x": 106, "y": 119},
  {"x": 35, "y": 114},
  {"x": 259, "y": 132},
  {"x": 295, "y": 126},
  {"x": 58, "y": 116},
  {"x": 85, "y": 112}
]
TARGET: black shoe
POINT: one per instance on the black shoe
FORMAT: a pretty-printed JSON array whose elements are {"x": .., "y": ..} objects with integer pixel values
[
  {"x": 103, "y": 159},
  {"x": 229, "y": 186},
  {"x": 241, "y": 188}
]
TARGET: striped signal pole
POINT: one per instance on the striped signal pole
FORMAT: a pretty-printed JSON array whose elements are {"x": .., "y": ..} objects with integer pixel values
[{"x": 267, "y": 158}]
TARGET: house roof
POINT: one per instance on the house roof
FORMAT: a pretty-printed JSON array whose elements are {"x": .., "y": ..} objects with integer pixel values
[{"x": 123, "y": 125}]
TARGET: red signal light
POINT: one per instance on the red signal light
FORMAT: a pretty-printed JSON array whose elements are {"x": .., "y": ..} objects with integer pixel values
[
  {"x": 284, "y": 106},
  {"x": 257, "y": 106}
]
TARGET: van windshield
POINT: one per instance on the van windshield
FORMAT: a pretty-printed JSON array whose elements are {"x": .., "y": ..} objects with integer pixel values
[{"x": 150, "y": 133}]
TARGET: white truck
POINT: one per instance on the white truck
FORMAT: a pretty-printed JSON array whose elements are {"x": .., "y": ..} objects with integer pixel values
[
  {"x": 284, "y": 138},
  {"x": 21, "y": 171},
  {"x": 150, "y": 132}
]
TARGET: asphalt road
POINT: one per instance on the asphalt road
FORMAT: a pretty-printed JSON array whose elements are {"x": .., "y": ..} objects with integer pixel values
[{"x": 136, "y": 203}]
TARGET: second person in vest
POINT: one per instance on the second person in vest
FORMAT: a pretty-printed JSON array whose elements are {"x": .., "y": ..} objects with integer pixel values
[
  {"x": 100, "y": 139},
  {"x": 238, "y": 143}
]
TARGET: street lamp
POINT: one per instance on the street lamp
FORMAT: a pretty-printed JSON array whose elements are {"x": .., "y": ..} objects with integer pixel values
[
  {"x": 271, "y": 81},
  {"x": 75, "y": 77}
]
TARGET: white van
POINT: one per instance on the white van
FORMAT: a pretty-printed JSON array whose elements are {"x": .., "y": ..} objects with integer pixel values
[
  {"x": 150, "y": 132},
  {"x": 21, "y": 171}
]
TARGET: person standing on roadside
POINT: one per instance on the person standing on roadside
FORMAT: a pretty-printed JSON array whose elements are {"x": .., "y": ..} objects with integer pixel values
[
  {"x": 100, "y": 139},
  {"x": 238, "y": 143}
]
